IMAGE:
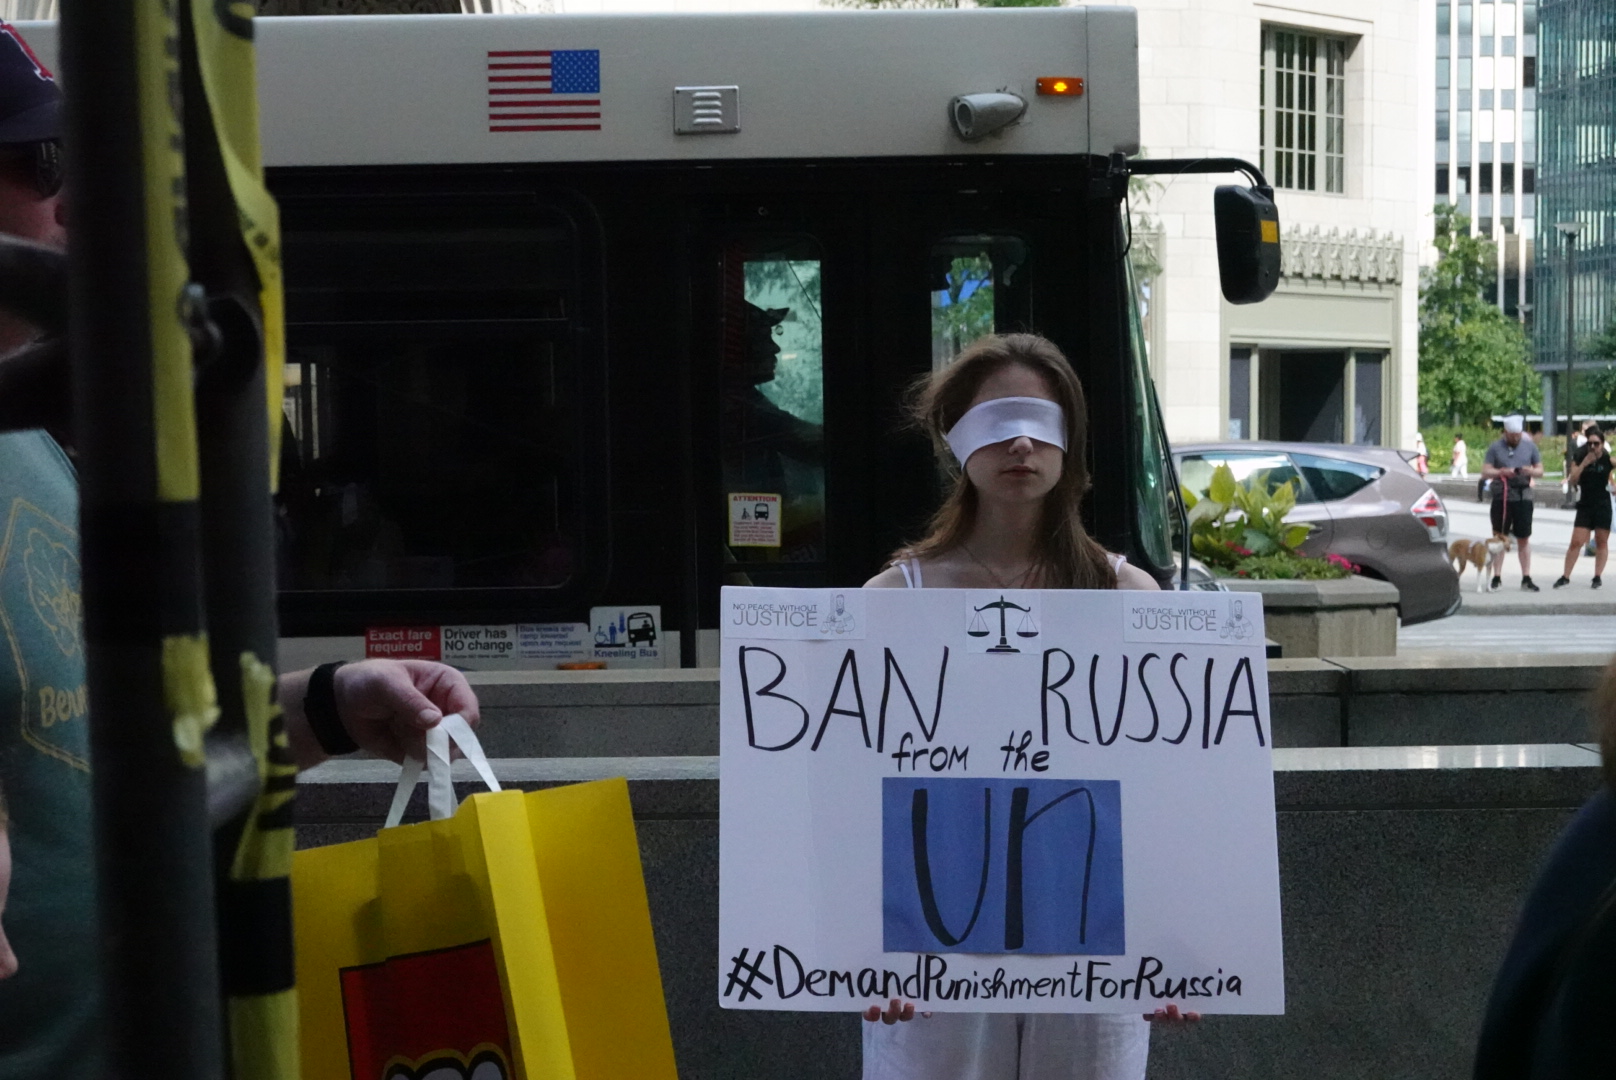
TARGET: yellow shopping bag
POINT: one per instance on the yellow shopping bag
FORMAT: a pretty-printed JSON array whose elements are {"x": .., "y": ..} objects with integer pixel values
[{"x": 511, "y": 939}]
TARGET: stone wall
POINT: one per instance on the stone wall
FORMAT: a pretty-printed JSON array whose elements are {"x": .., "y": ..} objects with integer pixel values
[{"x": 1399, "y": 887}]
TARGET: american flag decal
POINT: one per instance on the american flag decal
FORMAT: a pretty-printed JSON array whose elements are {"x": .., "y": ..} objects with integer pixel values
[{"x": 545, "y": 90}]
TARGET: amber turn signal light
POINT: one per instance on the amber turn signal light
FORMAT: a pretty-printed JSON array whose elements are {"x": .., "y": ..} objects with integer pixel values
[{"x": 1060, "y": 86}]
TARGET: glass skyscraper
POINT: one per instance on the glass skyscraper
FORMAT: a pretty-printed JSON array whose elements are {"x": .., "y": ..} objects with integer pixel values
[
  {"x": 1486, "y": 121},
  {"x": 1577, "y": 91}
]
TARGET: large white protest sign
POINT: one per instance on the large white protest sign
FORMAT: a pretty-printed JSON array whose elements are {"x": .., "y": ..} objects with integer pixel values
[{"x": 1012, "y": 801}]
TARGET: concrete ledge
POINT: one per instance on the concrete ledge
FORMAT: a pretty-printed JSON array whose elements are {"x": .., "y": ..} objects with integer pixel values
[
  {"x": 665, "y": 712},
  {"x": 1304, "y": 675},
  {"x": 1451, "y": 673},
  {"x": 1401, "y": 869},
  {"x": 1474, "y": 603},
  {"x": 1353, "y": 592},
  {"x": 1434, "y": 699},
  {"x": 1354, "y": 616}
]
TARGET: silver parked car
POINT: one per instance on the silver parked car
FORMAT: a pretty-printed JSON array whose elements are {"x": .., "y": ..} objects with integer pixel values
[{"x": 1367, "y": 504}]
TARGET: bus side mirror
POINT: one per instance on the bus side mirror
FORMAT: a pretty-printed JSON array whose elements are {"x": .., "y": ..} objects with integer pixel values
[{"x": 1248, "y": 242}]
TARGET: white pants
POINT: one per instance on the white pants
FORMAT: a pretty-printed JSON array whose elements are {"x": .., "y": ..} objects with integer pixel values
[{"x": 1008, "y": 1046}]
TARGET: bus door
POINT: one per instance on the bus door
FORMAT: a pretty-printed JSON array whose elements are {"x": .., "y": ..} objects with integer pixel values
[
  {"x": 1016, "y": 252},
  {"x": 775, "y": 342}
]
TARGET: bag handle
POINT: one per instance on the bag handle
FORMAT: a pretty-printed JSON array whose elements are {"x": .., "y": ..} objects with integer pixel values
[{"x": 440, "y": 796}]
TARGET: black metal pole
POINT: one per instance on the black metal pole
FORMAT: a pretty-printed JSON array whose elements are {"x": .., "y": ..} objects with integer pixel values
[
  {"x": 238, "y": 552},
  {"x": 149, "y": 688}
]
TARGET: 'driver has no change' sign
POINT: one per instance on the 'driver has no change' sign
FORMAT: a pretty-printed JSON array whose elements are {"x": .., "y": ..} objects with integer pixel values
[{"x": 1012, "y": 801}]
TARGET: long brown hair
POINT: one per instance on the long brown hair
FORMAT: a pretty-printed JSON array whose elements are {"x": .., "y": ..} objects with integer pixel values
[{"x": 1063, "y": 552}]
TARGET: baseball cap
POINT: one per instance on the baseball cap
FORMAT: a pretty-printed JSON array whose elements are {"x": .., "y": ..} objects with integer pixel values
[
  {"x": 1514, "y": 424},
  {"x": 30, "y": 100}
]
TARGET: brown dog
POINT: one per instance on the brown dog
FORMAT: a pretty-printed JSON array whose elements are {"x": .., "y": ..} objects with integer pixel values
[{"x": 1479, "y": 553}]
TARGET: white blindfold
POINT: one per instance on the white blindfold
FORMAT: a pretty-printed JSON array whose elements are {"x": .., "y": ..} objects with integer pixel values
[{"x": 1002, "y": 419}]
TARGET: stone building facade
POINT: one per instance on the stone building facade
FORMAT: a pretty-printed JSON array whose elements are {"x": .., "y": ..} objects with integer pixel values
[{"x": 1329, "y": 98}]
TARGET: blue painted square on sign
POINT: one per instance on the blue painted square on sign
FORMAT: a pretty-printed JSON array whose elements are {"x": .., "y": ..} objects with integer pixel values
[
  {"x": 575, "y": 71},
  {"x": 1002, "y": 866}
]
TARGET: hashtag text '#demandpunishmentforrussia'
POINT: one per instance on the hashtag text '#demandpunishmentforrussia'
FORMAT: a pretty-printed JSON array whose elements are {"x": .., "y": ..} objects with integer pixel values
[{"x": 784, "y": 977}]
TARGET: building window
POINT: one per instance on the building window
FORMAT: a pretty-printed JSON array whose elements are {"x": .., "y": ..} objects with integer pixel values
[
  {"x": 1240, "y": 393},
  {"x": 1464, "y": 180},
  {"x": 1506, "y": 179},
  {"x": 1367, "y": 398},
  {"x": 1486, "y": 179},
  {"x": 1293, "y": 110},
  {"x": 1528, "y": 72}
]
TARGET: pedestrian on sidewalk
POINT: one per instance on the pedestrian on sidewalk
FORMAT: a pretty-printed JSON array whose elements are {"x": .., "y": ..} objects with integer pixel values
[
  {"x": 1461, "y": 458},
  {"x": 1511, "y": 464},
  {"x": 1422, "y": 457},
  {"x": 1591, "y": 476}
]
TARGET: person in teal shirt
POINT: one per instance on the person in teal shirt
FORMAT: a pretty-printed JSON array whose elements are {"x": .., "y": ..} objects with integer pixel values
[{"x": 49, "y": 1001}]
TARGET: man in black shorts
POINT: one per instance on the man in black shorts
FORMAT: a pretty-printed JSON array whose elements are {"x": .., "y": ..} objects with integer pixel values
[
  {"x": 1591, "y": 475},
  {"x": 1511, "y": 464}
]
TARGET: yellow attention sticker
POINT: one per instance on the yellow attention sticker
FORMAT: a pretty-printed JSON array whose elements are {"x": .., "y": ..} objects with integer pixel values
[{"x": 1270, "y": 232}]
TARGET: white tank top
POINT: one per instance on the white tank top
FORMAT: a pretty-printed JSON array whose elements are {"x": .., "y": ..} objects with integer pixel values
[{"x": 910, "y": 569}]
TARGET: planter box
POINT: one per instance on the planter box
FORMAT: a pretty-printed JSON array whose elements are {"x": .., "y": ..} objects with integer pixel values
[{"x": 1354, "y": 616}]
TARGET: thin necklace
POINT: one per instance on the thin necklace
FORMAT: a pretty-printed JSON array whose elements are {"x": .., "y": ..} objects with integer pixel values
[{"x": 1021, "y": 577}]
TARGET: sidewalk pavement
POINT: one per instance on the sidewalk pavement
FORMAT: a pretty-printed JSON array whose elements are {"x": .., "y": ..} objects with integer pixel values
[
  {"x": 1575, "y": 599},
  {"x": 1551, "y": 533}
]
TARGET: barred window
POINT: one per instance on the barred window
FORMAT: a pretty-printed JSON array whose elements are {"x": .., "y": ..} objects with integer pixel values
[{"x": 1302, "y": 110}]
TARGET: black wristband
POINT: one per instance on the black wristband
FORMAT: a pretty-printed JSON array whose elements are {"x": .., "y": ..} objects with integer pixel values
[{"x": 320, "y": 709}]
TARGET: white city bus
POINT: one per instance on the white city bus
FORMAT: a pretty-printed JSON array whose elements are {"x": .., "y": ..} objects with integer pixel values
[{"x": 618, "y": 309}]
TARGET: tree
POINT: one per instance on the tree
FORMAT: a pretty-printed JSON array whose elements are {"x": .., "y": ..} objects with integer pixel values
[
  {"x": 1596, "y": 386},
  {"x": 1472, "y": 355}
]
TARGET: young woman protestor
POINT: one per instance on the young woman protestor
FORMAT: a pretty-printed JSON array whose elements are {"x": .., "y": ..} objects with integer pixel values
[{"x": 1008, "y": 419}]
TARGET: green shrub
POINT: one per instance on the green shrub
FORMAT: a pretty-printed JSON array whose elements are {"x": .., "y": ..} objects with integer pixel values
[{"x": 1238, "y": 529}]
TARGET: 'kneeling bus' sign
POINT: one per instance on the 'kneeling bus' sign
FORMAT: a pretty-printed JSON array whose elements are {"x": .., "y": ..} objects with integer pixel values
[{"x": 1007, "y": 801}]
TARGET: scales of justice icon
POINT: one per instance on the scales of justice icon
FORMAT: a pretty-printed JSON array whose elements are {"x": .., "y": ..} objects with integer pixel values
[{"x": 1025, "y": 629}]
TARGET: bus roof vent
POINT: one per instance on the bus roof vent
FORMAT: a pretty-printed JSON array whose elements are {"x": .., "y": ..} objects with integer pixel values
[{"x": 706, "y": 110}]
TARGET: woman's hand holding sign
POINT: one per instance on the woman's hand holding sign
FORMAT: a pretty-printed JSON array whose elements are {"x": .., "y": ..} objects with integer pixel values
[{"x": 899, "y": 1011}]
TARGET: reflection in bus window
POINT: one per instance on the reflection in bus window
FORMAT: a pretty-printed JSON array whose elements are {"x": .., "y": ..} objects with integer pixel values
[
  {"x": 978, "y": 287},
  {"x": 774, "y": 393},
  {"x": 962, "y": 309},
  {"x": 1151, "y": 478},
  {"x": 412, "y": 467},
  {"x": 433, "y": 398}
]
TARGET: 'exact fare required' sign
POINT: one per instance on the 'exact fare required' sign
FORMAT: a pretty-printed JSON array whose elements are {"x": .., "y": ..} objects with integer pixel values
[{"x": 1007, "y": 801}]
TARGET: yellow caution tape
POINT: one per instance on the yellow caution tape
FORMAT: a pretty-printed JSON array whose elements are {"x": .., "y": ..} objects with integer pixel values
[
  {"x": 189, "y": 693},
  {"x": 163, "y": 166},
  {"x": 224, "y": 32}
]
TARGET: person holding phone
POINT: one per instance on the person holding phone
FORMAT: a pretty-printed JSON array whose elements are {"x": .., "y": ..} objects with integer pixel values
[
  {"x": 1008, "y": 421},
  {"x": 1591, "y": 477}
]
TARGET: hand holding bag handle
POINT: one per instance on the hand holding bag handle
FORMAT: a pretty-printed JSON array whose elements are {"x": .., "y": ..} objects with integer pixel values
[{"x": 440, "y": 797}]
